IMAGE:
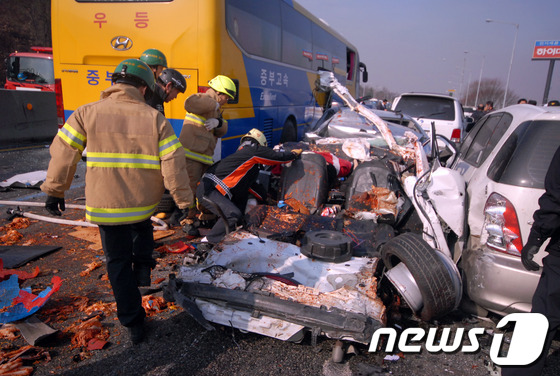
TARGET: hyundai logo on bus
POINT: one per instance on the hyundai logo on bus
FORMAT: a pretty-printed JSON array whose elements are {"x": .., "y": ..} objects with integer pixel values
[
  {"x": 121, "y": 43},
  {"x": 527, "y": 340}
]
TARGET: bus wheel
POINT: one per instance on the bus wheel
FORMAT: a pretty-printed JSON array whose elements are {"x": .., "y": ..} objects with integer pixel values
[{"x": 289, "y": 132}]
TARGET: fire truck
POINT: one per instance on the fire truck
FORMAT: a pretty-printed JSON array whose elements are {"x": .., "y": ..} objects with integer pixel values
[
  {"x": 33, "y": 71},
  {"x": 30, "y": 70}
]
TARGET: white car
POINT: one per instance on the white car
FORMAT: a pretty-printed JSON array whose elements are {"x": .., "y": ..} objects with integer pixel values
[
  {"x": 444, "y": 111},
  {"x": 504, "y": 160}
]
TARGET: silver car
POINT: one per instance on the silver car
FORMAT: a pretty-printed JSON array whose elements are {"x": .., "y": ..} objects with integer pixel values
[{"x": 504, "y": 160}]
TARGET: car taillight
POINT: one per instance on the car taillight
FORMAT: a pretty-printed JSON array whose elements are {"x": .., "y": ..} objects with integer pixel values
[
  {"x": 500, "y": 230},
  {"x": 456, "y": 135},
  {"x": 59, "y": 102}
]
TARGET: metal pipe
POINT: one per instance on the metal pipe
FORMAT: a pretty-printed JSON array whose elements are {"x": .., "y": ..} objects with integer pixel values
[{"x": 162, "y": 224}]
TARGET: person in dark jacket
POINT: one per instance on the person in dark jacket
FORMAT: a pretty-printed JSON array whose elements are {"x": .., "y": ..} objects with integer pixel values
[
  {"x": 168, "y": 85},
  {"x": 228, "y": 183},
  {"x": 546, "y": 299}
]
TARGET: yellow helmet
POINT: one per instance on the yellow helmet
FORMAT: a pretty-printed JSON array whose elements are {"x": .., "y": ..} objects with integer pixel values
[
  {"x": 223, "y": 84},
  {"x": 256, "y": 135}
]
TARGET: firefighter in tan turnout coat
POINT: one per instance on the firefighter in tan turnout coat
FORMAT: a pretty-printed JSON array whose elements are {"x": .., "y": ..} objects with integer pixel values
[
  {"x": 203, "y": 126},
  {"x": 132, "y": 156}
]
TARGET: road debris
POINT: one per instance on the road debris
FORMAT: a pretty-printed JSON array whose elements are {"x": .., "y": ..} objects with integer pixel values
[{"x": 91, "y": 267}]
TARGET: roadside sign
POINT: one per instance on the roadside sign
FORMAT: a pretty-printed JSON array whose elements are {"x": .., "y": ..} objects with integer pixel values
[{"x": 546, "y": 50}]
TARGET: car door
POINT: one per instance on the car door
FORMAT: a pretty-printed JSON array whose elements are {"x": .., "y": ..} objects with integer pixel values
[{"x": 473, "y": 163}]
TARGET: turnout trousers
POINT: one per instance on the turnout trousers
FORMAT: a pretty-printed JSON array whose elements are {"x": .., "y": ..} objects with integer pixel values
[
  {"x": 127, "y": 247},
  {"x": 232, "y": 213}
]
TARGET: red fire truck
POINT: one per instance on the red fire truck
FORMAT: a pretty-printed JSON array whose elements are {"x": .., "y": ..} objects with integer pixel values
[
  {"x": 30, "y": 70},
  {"x": 33, "y": 71}
]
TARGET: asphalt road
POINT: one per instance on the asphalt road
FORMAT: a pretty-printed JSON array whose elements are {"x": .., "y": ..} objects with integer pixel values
[{"x": 176, "y": 344}]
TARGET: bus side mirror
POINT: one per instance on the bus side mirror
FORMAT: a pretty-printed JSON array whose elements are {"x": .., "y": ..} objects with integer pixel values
[{"x": 364, "y": 71}]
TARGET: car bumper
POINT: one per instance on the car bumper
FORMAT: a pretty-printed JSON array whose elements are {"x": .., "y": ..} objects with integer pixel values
[{"x": 498, "y": 282}]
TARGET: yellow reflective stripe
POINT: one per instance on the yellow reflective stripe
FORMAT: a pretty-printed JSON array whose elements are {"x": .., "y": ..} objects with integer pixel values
[
  {"x": 123, "y": 160},
  {"x": 107, "y": 215},
  {"x": 195, "y": 118},
  {"x": 72, "y": 137},
  {"x": 203, "y": 158},
  {"x": 169, "y": 145}
]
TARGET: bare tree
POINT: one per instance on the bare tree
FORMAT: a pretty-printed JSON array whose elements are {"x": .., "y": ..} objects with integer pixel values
[
  {"x": 491, "y": 89},
  {"x": 379, "y": 93},
  {"x": 23, "y": 24}
]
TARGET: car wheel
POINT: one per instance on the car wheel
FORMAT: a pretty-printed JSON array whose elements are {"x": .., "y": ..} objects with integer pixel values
[
  {"x": 289, "y": 131},
  {"x": 420, "y": 275}
]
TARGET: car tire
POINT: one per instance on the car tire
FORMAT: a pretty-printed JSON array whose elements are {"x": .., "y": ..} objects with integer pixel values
[
  {"x": 430, "y": 273},
  {"x": 289, "y": 131}
]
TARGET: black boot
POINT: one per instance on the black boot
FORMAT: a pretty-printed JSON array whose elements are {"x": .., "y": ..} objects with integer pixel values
[
  {"x": 191, "y": 229},
  {"x": 143, "y": 276},
  {"x": 136, "y": 333}
]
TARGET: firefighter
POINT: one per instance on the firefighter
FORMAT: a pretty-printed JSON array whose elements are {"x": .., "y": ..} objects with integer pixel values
[
  {"x": 546, "y": 298},
  {"x": 133, "y": 155},
  {"x": 155, "y": 59},
  {"x": 168, "y": 85},
  {"x": 228, "y": 183},
  {"x": 204, "y": 125}
]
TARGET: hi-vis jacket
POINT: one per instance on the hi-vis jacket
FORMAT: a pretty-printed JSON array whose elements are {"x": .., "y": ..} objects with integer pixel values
[
  {"x": 132, "y": 156},
  {"x": 199, "y": 143}
]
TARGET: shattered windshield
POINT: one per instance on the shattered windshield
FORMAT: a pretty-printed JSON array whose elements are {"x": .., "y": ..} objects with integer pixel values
[{"x": 30, "y": 70}]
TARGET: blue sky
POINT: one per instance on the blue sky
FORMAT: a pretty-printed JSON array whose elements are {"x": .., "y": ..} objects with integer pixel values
[{"x": 419, "y": 45}]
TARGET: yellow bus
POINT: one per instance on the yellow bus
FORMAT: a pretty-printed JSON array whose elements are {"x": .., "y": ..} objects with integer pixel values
[{"x": 271, "y": 49}]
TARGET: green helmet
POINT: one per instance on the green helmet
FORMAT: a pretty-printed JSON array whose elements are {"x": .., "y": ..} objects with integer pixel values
[
  {"x": 134, "y": 71},
  {"x": 154, "y": 57},
  {"x": 223, "y": 84}
]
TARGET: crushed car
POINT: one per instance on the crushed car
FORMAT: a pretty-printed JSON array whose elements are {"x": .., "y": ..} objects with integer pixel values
[{"x": 338, "y": 256}]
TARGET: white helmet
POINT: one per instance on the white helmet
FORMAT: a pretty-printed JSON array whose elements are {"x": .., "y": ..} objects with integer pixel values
[{"x": 256, "y": 135}]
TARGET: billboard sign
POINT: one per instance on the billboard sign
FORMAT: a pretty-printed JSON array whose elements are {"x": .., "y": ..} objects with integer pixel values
[{"x": 546, "y": 50}]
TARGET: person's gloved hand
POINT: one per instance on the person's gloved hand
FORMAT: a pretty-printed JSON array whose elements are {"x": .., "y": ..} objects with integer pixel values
[
  {"x": 527, "y": 254},
  {"x": 211, "y": 124},
  {"x": 297, "y": 152},
  {"x": 53, "y": 204},
  {"x": 184, "y": 215}
]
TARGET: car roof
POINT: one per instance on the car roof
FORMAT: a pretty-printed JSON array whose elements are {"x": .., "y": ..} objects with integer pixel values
[
  {"x": 529, "y": 111},
  {"x": 423, "y": 94}
]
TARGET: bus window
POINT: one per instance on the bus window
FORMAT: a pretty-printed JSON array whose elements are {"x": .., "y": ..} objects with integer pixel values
[
  {"x": 350, "y": 62},
  {"x": 297, "y": 48},
  {"x": 256, "y": 26},
  {"x": 329, "y": 52}
]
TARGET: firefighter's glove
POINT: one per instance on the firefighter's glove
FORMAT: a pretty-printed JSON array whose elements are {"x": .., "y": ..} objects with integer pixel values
[
  {"x": 297, "y": 152},
  {"x": 184, "y": 215},
  {"x": 211, "y": 124},
  {"x": 54, "y": 205},
  {"x": 527, "y": 253}
]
